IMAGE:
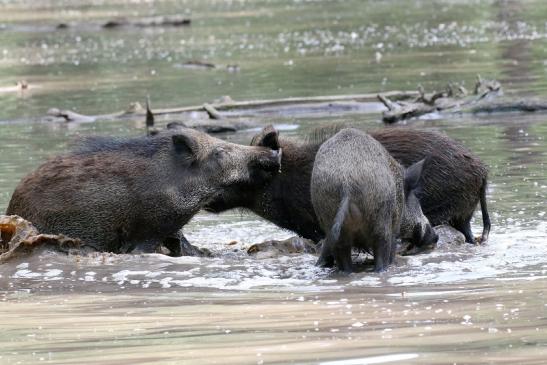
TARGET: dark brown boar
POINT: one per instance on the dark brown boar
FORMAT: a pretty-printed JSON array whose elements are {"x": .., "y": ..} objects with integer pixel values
[{"x": 120, "y": 195}]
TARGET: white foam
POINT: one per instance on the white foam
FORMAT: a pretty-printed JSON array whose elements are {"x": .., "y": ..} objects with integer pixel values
[
  {"x": 26, "y": 274},
  {"x": 372, "y": 360},
  {"x": 52, "y": 272}
]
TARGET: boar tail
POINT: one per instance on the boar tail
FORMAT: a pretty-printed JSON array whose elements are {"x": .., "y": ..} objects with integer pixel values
[
  {"x": 484, "y": 211},
  {"x": 334, "y": 234}
]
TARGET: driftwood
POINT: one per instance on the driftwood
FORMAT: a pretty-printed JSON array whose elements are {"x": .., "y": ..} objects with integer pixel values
[
  {"x": 60, "y": 115},
  {"x": 142, "y": 22},
  {"x": 454, "y": 99},
  {"x": 211, "y": 111},
  {"x": 155, "y": 21},
  {"x": 19, "y": 238},
  {"x": 196, "y": 64},
  {"x": 227, "y": 116},
  {"x": 203, "y": 65},
  {"x": 256, "y": 104},
  {"x": 507, "y": 105},
  {"x": 253, "y": 104}
]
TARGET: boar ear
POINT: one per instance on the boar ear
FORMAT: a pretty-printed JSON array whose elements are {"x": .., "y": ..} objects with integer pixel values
[
  {"x": 412, "y": 175},
  {"x": 185, "y": 145},
  {"x": 268, "y": 137}
]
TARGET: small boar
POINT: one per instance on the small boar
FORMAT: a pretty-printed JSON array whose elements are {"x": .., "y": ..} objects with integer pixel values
[
  {"x": 453, "y": 182},
  {"x": 124, "y": 195},
  {"x": 363, "y": 198}
]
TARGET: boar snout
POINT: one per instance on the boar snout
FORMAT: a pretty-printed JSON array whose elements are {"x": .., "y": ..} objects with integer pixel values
[
  {"x": 422, "y": 242},
  {"x": 430, "y": 236}
]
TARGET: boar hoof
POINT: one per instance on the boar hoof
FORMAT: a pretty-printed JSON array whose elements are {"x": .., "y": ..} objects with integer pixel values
[{"x": 325, "y": 261}]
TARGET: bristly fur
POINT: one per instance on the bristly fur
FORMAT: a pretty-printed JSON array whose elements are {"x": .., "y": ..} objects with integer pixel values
[
  {"x": 118, "y": 195},
  {"x": 320, "y": 134},
  {"x": 139, "y": 146}
]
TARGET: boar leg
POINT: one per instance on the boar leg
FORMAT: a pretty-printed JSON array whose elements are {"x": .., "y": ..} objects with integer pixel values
[
  {"x": 179, "y": 246},
  {"x": 393, "y": 250},
  {"x": 326, "y": 259},
  {"x": 383, "y": 252},
  {"x": 342, "y": 253},
  {"x": 141, "y": 247},
  {"x": 174, "y": 245},
  {"x": 465, "y": 228}
]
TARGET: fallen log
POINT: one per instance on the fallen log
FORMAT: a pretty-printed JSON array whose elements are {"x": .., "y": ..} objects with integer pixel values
[
  {"x": 454, "y": 99},
  {"x": 402, "y": 111},
  {"x": 211, "y": 111},
  {"x": 505, "y": 105},
  {"x": 252, "y": 104},
  {"x": 227, "y": 115},
  {"x": 227, "y": 104}
]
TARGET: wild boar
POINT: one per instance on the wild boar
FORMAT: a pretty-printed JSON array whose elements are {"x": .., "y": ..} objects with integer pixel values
[
  {"x": 124, "y": 195},
  {"x": 452, "y": 184},
  {"x": 363, "y": 198}
]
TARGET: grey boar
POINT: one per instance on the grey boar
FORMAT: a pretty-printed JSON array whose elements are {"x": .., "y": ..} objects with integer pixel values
[
  {"x": 363, "y": 198},
  {"x": 129, "y": 195},
  {"x": 452, "y": 183}
]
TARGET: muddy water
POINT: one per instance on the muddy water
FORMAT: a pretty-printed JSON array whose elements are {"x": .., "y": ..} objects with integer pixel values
[{"x": 459, "y": 304}]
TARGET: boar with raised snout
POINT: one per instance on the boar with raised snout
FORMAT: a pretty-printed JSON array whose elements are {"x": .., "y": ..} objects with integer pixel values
[
  {"x": 452, "y": 183},
  {"x": 131, "y": 195},
  {"x": 363, "y": 198}
]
